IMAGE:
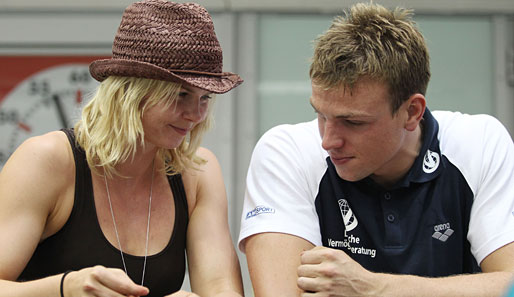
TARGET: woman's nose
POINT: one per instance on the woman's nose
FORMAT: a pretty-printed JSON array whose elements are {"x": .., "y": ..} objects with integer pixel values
[{"x": 194, "y": 111}]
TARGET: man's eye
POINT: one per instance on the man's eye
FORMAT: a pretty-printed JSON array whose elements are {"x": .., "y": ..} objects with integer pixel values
[{"x": 355, "y": 123}]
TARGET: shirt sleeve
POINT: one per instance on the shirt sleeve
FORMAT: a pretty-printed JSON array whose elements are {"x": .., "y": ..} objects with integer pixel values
[
  {"x": 492, "y": 214},
  {"x": 282, "y": 183}
]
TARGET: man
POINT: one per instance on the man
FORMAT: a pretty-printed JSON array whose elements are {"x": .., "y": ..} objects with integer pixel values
[{"x": 405, "y": 202}]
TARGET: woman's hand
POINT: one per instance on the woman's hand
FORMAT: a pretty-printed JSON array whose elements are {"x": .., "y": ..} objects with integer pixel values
[{"x": 101, "y": 281}]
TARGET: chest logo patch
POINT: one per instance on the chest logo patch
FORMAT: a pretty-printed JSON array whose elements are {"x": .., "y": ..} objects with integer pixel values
[
  {"x": 430, "y": 161},
  {"x": 350, "y": 243},
  {"x": 349, "y": 219},
  {"x": 442, "y": 232}
]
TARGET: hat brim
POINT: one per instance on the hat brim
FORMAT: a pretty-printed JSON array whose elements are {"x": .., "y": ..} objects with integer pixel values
[{"x": 217, "y": 83}]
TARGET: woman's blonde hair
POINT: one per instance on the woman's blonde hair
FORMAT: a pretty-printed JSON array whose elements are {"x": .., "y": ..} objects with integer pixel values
[
  {"x": 372, "y": 41},
  {"x": 110, "y": 129}
]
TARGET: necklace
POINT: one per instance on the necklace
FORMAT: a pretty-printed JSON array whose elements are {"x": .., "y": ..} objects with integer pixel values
[{"x": 147, "y": 225}]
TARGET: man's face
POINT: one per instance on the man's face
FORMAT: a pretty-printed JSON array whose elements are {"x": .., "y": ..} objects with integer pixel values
[{"x": 360, "y": 133}]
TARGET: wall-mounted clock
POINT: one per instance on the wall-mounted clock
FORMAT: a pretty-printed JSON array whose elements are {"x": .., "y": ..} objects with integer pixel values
[{"x": 40, "y": 94}]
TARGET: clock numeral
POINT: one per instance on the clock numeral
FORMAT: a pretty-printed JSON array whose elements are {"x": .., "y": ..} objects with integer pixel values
[
  {"x": 8, "y": 116},
  {"x": 80, "y": 76},
  {"x": 39, "y": 88}
]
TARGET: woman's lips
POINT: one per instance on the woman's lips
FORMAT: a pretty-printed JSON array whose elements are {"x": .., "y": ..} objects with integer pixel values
[{"x": 180, "y": 131}]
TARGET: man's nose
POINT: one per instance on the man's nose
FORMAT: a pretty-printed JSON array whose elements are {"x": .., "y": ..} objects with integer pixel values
[{"x": 332, "y": 137}]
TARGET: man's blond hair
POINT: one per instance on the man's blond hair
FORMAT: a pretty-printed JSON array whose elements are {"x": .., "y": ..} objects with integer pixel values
[
  {"x": 110, "y": 129},
  {"x": 374, "y": 42}
]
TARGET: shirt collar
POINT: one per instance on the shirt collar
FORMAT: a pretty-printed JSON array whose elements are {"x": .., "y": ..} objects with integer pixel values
[{"x": 427, "y": 165}]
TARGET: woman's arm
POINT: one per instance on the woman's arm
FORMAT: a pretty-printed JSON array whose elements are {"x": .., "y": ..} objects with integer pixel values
[
  {"x": 213, "y": 264},
  {"x": 36, "y": 198},
  {"x": 32, "y": 190}
]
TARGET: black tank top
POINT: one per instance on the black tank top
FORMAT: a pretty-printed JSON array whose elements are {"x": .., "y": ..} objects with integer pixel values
[{"x": 80, "y": 243}]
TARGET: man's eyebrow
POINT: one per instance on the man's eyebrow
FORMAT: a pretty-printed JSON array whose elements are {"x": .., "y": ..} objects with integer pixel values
[{"x": 343, "y": 116}]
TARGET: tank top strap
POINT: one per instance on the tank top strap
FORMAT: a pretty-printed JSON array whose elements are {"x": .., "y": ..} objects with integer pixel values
[{"x": 179, "y": 192}]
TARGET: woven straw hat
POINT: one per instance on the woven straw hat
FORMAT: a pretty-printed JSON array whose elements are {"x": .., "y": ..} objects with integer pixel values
[{"x": 168, "y": 41}]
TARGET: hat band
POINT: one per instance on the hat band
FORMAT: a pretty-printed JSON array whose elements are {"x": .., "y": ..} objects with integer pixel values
[{"x": 197, "y": 72}]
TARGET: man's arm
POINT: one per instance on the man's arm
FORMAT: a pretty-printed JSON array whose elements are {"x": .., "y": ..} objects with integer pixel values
[
  {"x": 273, "y": 259},
  {"x": 332, "y": 272}
]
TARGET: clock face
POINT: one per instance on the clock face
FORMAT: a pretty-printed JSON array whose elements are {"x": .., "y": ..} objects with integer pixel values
[{"x": 46, "y": 100}]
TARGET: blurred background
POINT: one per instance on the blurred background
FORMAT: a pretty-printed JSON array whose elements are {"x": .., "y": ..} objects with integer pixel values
[{"x": 46, "y": 46}]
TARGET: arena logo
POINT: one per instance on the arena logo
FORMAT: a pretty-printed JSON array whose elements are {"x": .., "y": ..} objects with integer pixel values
[
  {"x": 442, "y": 232},
  {"x": 442, "y": 227},
  {"x": 259, "y": 210}
]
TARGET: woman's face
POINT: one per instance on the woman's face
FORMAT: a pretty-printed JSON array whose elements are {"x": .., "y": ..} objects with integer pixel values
[{"x": 166, "y": 127}]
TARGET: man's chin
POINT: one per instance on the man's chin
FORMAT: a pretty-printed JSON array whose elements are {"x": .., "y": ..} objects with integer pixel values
[{"x": 348, "y": 176}]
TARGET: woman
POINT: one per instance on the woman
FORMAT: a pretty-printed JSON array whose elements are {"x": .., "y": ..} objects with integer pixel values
[{"x": 104, "y": 209}]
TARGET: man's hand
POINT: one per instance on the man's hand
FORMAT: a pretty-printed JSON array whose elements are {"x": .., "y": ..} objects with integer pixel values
[{"x": 331, "y": 272}]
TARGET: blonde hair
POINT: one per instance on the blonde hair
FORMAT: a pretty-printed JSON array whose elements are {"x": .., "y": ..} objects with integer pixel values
[
  {"x": 110, "y": 129},
  {"x": 372, "y": 41}
]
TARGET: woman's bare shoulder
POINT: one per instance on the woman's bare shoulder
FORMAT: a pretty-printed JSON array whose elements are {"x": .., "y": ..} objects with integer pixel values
[{"x": 44, "y": 162}]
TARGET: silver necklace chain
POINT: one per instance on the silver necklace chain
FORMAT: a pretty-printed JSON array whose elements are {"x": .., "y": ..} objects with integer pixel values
[{"x": 147, "y": 225}]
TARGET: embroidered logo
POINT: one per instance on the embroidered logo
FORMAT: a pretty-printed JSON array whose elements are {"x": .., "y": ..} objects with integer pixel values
[
  {"x": 352, "y": 243},
  {"x": 349, "y": 219},
  {"x": 430, "y": 161},
  {"x": 259, "y": 210},
  {"x": 442, "y": 232}
]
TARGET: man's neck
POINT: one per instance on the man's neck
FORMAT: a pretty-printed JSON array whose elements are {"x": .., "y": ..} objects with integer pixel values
[{"x": 403, "y": 162}]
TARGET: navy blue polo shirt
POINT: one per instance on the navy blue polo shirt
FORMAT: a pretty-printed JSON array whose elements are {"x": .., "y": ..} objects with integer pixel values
[
  {"x": 419, "y": 226},
  {"x": 453, "y": 208}
]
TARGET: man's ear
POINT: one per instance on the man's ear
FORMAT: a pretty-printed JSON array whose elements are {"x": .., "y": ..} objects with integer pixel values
[{"x": 415, "y": 105}]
